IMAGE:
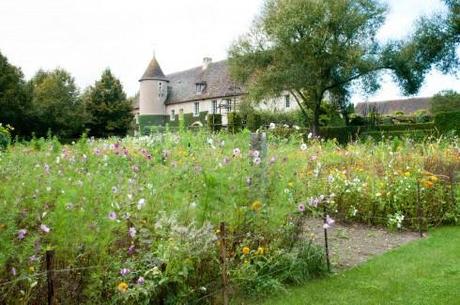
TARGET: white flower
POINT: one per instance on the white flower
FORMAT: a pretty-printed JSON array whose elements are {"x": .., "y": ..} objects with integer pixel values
[
  {"x": 296, "y": 127},
  {"x": 303, "y": 147},
  {"x": 236, "y": 152},
  {"x": 132, "y": 232},
  {"x": 140, "y": 203},
  {"x": 272, "y": 126},
  {"x": 257, "y": 161},
  {"x": 310, "y": 135}
]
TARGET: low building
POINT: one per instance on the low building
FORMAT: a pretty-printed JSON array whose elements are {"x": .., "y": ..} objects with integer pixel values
[
  {"x": 407, "y": 106},
  {"x": 192, "y": 94}
]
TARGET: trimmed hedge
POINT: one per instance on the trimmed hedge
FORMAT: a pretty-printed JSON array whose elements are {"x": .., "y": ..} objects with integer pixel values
[
  {"x": 447, "y": 121},
  {"x": 253, "y": 121},
  {"x": 235, "y": 122},
  {"x": 214, "y": 121}
]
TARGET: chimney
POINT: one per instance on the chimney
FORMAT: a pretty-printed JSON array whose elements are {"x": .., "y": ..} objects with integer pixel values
[{"x": 206, "y": 62}]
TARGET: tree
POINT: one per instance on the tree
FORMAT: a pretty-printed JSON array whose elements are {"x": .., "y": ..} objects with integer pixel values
[
  {"x": 313, "y": 49},
  {"x": 56, "y": 105},
  {"x": 434, "y": 44},
  {"x": 446, "y": 101},
  {"x": 14, "y": 98},
  {"x": 110, "y": 113}
]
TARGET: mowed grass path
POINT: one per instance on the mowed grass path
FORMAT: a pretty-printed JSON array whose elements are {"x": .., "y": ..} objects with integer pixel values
[{"x": 423, "y": 272}]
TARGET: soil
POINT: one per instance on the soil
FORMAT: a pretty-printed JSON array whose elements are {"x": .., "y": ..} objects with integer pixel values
[{"x": 353, "y": 244}]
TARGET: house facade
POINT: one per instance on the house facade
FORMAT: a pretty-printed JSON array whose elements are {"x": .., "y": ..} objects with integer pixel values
[{"x": 192, "y": 94}]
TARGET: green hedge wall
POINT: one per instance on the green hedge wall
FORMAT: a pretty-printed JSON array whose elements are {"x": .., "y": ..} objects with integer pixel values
[
  {"x": 214, "y": 121},
  {"x": 235, "y": 122},
  {"x": 447, "y": 121},
  {"x": 253, "y": 121}
]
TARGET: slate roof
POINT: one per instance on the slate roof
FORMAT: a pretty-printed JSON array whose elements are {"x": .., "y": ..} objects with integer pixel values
[
  {"x": 153, "y": 71},
  {"x": 216, "y": 78},
  {"x": 408, "y": 106}
]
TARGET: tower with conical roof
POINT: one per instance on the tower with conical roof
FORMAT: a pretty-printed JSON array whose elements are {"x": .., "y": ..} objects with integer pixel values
[{"x": 153, "y": 94}]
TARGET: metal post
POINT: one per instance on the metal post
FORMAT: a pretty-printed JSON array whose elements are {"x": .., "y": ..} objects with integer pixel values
[
  {"x": 326, "y": 243},
  {"x": 49, "y": 276}
]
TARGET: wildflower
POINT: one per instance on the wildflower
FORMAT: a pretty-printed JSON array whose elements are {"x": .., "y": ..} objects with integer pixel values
[
  {"x": 45, "y": 228},
  {"x": 140, "y": 280},
  {"x": 260, "y": 251},
  {"x": 246, "y": 250},
  {"x": 330, "y": 179},
  {"x": 427, "y": 184},
  {"x": 226, "y": 160},
  {"x": 132, "y": 232},
  {"x": 255, "y": 153},
  {"x": 210, "y": 141},
  {"x": 257, "y": 161},
  {"x": 272, "y": 160},
  {"x": 135, "y": 168},
  {"x": 313, "y": 202},
  {"x": 122, "y": 287},
  {"x": 112, "y": 215},
  {"x": 114, "y": 189},
  {"x": 22, "y": 234},
  {"x": 301, "y": 208},
  {"x": 378, "y": 194},
  {"x": 272, "y": 126},
  {"x": 310, "y": 135},
  {"x": 236, "y": 152},
  {"x": 256, "y": 205},
  {"x": 407, "y": 174},
  {"x": 249, "y": 181},
  {"x": 433, "y": 179},
  {"x": 13, "y": 271},
  {"x": 328, "y": 222},
  {"x": 140, "y": 203},
  {"x": 131, "y": 250},
  {"x": 303, "y": 147},
  {"x": 296, "y": 127},
  {"x": 46, "y": 168},
  {"x": 124, "y": 271}
]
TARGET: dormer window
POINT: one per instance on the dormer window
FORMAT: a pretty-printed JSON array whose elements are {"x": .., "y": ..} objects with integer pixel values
[{"x": 200, "y": 87}]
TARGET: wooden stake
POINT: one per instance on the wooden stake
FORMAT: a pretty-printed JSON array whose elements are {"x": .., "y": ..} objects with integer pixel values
[
  {"x": 49, "y": 276},
  {"x": 223, "y": 260}
]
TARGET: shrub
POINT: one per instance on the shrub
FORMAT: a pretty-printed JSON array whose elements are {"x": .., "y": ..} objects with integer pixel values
[
  {"x": 445, "y": 101},
  {"x": 214, "y": 121},
  {"x": 253, "y": 121},
  {"x": 447, "y": 121},
  {"x": 235, "y": 122},
  {"x": 5, "y": 136}
]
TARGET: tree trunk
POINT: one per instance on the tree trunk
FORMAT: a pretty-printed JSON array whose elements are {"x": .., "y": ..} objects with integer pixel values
[{"x": 315, "y": 121}]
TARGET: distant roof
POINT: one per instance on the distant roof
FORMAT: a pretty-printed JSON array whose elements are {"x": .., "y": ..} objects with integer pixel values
[
  {"x": 153, "y": 71},
  {"x": 408, "y": 106},
  {"x": 216, "y": 78}
]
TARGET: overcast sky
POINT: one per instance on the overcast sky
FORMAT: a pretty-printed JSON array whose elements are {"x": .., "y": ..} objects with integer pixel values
[{"x": 86, "y": 36}]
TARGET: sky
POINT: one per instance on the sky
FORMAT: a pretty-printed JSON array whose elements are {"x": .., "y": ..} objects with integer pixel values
[{"x": 87, "y": 36}]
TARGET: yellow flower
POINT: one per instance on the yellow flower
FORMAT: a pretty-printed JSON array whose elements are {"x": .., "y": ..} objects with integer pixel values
[
  {"x": 434, "y": 179},
  {"x": 122, "y": 287},
  {"x": 246, "y": 250},
  {"x": 260, "y": 251},
  {"x": 427, "y": 184},
  {"x": 256, "y": 205},
  {"x": 407, "y": 174},
  {"x": 290, "y": 184},
  {"x": 31, "y": 269}
]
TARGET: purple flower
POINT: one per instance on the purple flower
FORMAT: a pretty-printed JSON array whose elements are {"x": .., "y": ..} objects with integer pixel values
[
  {"x": 132, "y": 232},
  {"x": 140, "y": 280},
  {"x": 226, "y": 160},
  {"x": 22, "y": 234},
  {"x": 124, "y": 271},
  {"x": 13, "y": 271},
  {"x": 255, "y": 153},
  {"x": 328, "y": 222},
  {"x": 45, "y": 228},
  {"x": 301, "y": 208},
  {"x": 313, "y": 202},
  {"x": 112, "y": 215},
  {"x": 131, "y": 250}
]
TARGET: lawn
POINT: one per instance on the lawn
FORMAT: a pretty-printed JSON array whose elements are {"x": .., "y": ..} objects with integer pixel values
[{"x": 423, "y": 272}]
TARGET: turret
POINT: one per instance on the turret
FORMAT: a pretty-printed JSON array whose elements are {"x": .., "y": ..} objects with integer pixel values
[{"x": 153, "y": 90}]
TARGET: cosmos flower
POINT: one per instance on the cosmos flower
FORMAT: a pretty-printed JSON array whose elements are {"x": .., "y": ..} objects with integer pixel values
[
  {"x": 124, "y": 271},
  {"x": 46, "y": 167},
  {"x": 310, "y": 135},
  {"x": 301, "y": 208},
  {"x": 328, "y": 223},
  {"x": 13, "y": 271},
  {"x": 236, "y": 152},
  {"x": 132, "y": 232},
  {"x": 114, "y": 189},
  {"x": 112, "y": 215},
  {"x": 45, "y": 228},
  {"x": 257, "y": 160},
  {"x": 131, "y": 250},
  {"x": 140, "y": 203},
  {"x": 272, "y": 160},
  {"x": 255, "y": 153},
  {"x": 303, "y": 147},
  {"x": 140, "y": 280},
  {"x": 22, "y": 234},
  {"x": 272, "y": 126},
  {"x": 249, "y": 181}
]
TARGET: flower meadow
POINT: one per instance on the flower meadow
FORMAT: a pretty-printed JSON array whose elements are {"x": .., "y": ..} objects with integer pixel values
[{"x": 137, "y": 220}]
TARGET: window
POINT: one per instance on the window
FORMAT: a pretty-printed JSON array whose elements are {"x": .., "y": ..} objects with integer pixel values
[
  {"x": 287, "y": 101},
  {"x": 160, "y": 89},
  {"x": 214, "y": 107},
  {"x": 200, "y": 87},
  {"x": 229, "y": 105},
  {"x": 196, "y": 109},
  {"x": 173, "y": 115}
]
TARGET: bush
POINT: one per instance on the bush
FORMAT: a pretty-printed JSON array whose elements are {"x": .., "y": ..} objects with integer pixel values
[
  {"x": 235, "y": 122},
  {"x": 5, "y": 137},
  {"x": 214, "y": 121},
  {"x": 446, "y": 101},
  {"x": 447, "y": 121},
  {"x": 253, "y": 121}
]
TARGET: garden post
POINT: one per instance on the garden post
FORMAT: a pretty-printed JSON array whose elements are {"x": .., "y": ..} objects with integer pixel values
[
  {"x": 259, "y": 144},
  {"x": 49, "y": 275},
  {"x": 419, "y": 210},
  {"x": 223, "y": 260},
  {"x": 326, "y": 243}
]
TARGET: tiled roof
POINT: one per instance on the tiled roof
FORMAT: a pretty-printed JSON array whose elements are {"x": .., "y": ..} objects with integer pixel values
[
  {"x": 153, "y": 71},
  {"x": 216, "y": 78},
  {"x": 408, "y": 106}
]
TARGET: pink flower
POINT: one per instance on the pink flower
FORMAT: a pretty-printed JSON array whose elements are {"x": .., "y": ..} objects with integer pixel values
[
  {"x": 45, "y": 228},
  {"x": 13, "y": 271},
  {"x": 328, "y": 222},
  {"x": 272, "y": 160},
  {"x": 112, "y": 215},
  {"x": 257, "y": 161},
  {"x": 22, "y": 234},
  {"x": 301, "y": 208},
  {"x": 124, "y": 271},
  {"x": 132, "y": 232},
  {"x": 131, "y": 250},
  {"x": 140, "y": 280}
]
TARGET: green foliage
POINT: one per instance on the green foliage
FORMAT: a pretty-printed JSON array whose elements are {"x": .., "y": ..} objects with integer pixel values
[
  {"x": 5, "y": 137},
  {"x": 293, "y": 43},
  {"x": 447, "y": 122},
  {"x": 15, "y": 98},
  {"x": 446, "y": 101},
  {"x": 109, "y": 111},
  {"x": 56, "y": 106},
  {"x": 290, "y": 118},
  {"x": 235, "y": 122}
]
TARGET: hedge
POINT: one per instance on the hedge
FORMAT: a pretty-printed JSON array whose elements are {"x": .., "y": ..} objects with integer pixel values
[
  {"x": 214, "y": 121},
  {"x": 235, "y": 122},
  {"x": 253, "y": 121},
  {"x": 447, "y": 121}
]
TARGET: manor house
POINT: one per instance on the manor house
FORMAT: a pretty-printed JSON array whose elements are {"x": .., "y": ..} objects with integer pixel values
[{"x": 193, "y": 94}]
